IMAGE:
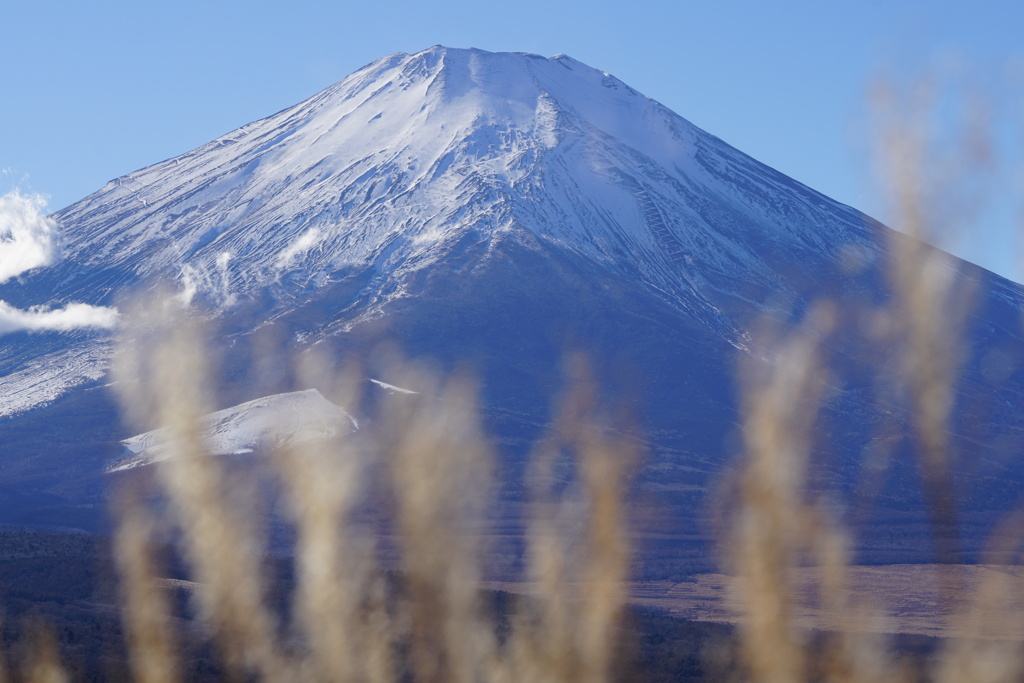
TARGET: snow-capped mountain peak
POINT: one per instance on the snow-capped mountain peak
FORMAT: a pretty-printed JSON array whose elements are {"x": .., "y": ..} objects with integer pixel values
[{"x": 392, "y": 166}]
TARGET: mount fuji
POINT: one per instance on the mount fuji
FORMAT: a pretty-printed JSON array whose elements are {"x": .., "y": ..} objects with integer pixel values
[{"x": 489, "y": 210}]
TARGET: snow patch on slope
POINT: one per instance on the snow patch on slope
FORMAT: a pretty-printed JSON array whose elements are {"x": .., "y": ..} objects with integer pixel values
[
  {"x": 391, "y": 388},
  {"x": 48, "y": 377},
  {"x": 278, "y": 421}
]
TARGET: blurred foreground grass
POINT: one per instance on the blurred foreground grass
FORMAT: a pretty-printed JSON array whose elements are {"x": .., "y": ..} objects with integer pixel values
[{"x": 198, "y": 596}]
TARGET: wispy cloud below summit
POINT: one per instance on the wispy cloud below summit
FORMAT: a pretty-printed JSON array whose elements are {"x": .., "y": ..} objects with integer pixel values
[
  {"x": 28, "y": 239},
  {"x": 71, "y": 317},
  {"x": 304, "y": 243}
]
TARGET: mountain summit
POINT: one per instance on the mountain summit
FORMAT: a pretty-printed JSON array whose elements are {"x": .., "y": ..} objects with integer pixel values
[
  {"x": 485, "y": 209},
  {"x": 398, "y": 164}
]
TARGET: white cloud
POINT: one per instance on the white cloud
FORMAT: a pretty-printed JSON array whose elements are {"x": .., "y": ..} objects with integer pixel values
[
  {"x": 28, "y": 238},
  {"x": 304, "y": 243},
  {"x": 213, "y": 280},
  {"x": 223, "y": 259},
  {"x": 71, "y": 317},
  {"x": 188, "y": 286}
]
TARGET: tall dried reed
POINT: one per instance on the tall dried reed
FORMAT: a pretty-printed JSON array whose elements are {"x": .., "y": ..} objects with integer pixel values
[
  {"x": 352, "y": 621},
  {"x": 349, "y": 621},
  {"x": 779, "y": 524}
]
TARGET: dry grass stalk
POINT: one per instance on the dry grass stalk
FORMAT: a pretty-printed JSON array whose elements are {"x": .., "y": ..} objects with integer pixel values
[
  {"x": 925, "y": 186},
  {"x": 855, "y": 652},
  {"x": 440, "y": 469},
  {"x": 607, "y": 559},
  {"x": 976, "y": 656},
  {"x": 440, "y": 474},
  {"x": 152, "y": 648},
  {"x": 340, "y": 607},
  {"x": 45, "y": 666},
  {"x": 984, "y": 653},
  {"x": 578, "y": 551},
  {"x": 934, "y": 193},
  {"x": 221, "y": 547},
  {"x": 774, "y": 525},
  {"x": 777, "y": 526},
  {"x": 780, "y": 401},
  {"x": 3, "y": 663}
]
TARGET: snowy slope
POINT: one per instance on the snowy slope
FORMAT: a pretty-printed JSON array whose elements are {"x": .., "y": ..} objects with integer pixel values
[
  {"x": 396, "y": 163},
  {"x": 279, "y": 421},
  {"x": 384, "y": 175},
  {"x": 39, "y": 380}
]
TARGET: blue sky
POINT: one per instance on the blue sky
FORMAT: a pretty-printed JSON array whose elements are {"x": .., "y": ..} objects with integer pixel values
[{"x": 91, "y": 91}]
